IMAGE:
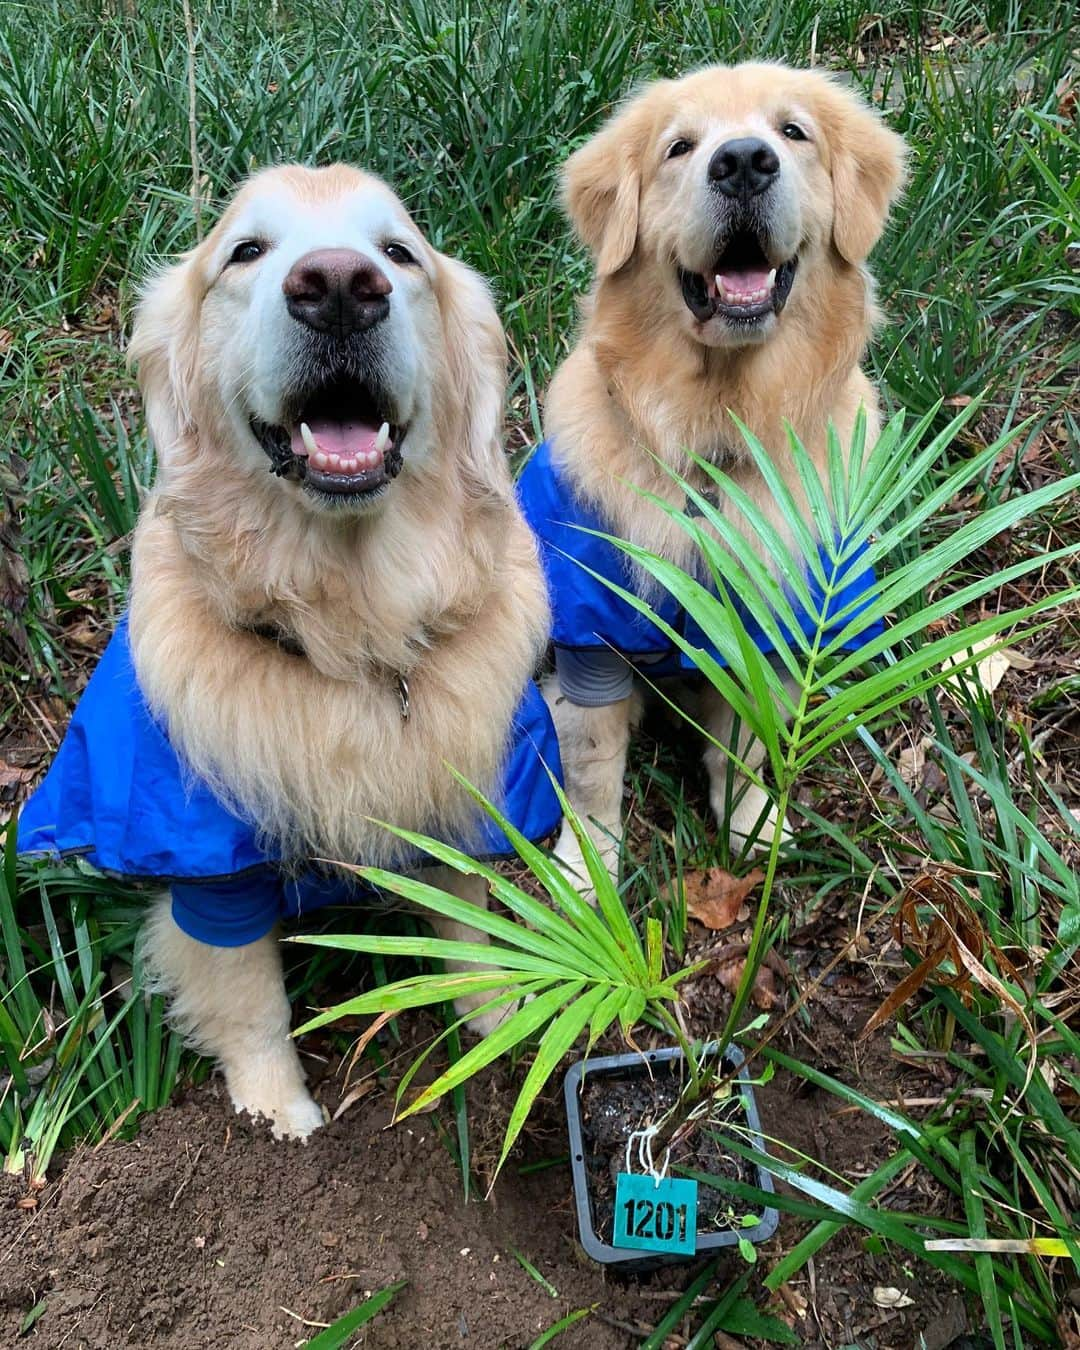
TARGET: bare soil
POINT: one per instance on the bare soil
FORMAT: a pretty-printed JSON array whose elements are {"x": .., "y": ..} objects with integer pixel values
[{"x": 203, "y": 1231}]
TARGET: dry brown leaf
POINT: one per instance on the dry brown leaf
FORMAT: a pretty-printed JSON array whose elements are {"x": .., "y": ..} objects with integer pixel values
[
  {"x": 912, "y": 760},
  {"x": 715, "y": 898},
  {"x": 730, "y": 974},
  {"x": 362, "y": 1089},
  {"x": 886, "y": 1297},
  {"x": 12, "y": 778},
  {"x": 365, "y": 1038},
  {"x": 950, "y": 935},
  {"x": 794, "y": 1300},
  {"x": 990, "y": 670}
]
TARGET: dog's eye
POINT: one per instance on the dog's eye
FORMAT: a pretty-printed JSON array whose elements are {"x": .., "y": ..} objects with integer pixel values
[
  {"x": 793, "y": 132},
  {"x": 247, "y": 251},
  {"x": 398, "y": 253},
  {"x": 679, "y": 147}
]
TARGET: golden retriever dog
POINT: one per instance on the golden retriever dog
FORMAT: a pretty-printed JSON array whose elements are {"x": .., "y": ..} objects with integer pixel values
[
  {"x": 334, "y": 595},
  {"x": 730, "y": 215}
]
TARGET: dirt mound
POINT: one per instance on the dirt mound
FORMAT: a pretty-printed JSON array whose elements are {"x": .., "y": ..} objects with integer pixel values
[{"x": 205, "y": 1232}]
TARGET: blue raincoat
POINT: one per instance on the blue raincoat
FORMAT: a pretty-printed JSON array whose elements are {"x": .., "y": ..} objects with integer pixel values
[
  {"x": 588, "y": 616},
  {"x": 118, "y": 796}
]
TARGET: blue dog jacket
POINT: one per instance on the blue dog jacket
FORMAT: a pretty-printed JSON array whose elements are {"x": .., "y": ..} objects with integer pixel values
[
  {"x": 589, "y": 616},
  {"x": 118, "y": 796}
]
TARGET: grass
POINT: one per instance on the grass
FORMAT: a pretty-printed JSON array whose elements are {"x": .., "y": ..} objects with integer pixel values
[{"x": 468, "y": 106}]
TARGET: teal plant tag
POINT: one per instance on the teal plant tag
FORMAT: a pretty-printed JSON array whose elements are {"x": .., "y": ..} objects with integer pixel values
[{"x": 656, "y": 1216}]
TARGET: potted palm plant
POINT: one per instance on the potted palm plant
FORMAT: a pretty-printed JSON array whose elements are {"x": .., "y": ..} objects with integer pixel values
[{"x": 568, "y": 973}]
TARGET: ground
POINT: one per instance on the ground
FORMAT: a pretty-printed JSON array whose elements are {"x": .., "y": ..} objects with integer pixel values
[
  {"x": 176, "y": 1240},
  {"x": 135, "y": 1208}
]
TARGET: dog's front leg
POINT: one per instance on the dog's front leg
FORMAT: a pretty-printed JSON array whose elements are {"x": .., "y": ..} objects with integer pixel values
[
  {"x": 740, "y": 805},
  {"x": 592, "y": 742},
  {"x": 230, "y": 1003}
]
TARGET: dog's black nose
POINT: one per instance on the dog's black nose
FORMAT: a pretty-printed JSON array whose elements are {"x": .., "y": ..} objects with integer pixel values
[
  {"x": 337, "y": 291},
  {"x": 743, "y": 168}
]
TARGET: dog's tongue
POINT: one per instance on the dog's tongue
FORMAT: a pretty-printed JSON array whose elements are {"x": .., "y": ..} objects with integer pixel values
[
  {"x": 751, "y": 285},
  {"x": 341, "y": 447}
]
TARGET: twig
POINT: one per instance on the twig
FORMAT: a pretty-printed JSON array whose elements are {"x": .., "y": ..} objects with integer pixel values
[
  {"x": 117, "y": 1123},
  {"x": 304, "y": 1321},
  {"x": 191, "y": 1172},
  {"x": 193, "y": 128}
]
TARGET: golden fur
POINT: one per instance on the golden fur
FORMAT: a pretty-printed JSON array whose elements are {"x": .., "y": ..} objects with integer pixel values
[
  {"x": 637, "y": 381},
  {"x": 646, "y": 379},
  {"x": 441, "y": 587},
  {"x": 438, "y": 584}
]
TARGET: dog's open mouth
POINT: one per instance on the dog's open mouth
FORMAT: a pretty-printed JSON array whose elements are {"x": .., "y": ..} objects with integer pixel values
[
  {"x": 742, "y": 285},
  {"x": 341, "y": 441}
]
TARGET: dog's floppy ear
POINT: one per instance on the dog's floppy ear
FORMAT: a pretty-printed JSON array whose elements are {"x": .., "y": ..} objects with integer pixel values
[
  {"x": 164, "y": 346},
  {"x": 475, "y": 377},
  {"x": 867, "y": 172},
  {"x": 602, "y": 185}
]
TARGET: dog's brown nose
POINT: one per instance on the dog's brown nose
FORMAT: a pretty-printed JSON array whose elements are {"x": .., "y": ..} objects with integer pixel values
[
  {"x": 337, "y": 291},
  {"x": 743, "y": 168}
]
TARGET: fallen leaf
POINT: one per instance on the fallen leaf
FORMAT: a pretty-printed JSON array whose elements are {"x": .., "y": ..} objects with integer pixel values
[
  {"x": 366, "y": 1036},
  {"x": 886, "y": 1297},
  {"x": 794, "y": 1300},
  {"x": 1068, "y": 98},
  {"x": 912, "y": 760},
  {"x": 944, "y": 931},
  {"x": 12, "y": 778},
  {"x": 715, "y": 898},
  {"x": 361, "y": 1090},
  {"x": 730, "y": 973},
  {"x": 990, "y": 670}
]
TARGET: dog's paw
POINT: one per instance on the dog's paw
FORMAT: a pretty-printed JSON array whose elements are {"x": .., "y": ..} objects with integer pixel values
[
  {"x": 743, "y": 826},
  {"x": 484, "y": 1023},
  {"x": 297, "y": 1118},
  {"x": 568, "y": 853},
  {"x": 274, "y": 1091}
]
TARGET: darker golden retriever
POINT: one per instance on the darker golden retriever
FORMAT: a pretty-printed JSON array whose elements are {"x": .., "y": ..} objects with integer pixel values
[{"x": 730, "y": 215}]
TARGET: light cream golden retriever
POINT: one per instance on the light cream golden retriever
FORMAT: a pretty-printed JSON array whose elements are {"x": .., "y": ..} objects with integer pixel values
[
  {"x": 730, "y": 214},
  {"x": 333, "y": 592}
]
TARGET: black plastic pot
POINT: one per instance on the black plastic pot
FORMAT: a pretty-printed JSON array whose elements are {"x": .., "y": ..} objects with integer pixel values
[{"x": 637, "y": 1066}]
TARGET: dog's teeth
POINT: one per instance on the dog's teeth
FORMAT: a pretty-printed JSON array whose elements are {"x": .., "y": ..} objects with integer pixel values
[
  {"x": 319, "y": 459},
  {"x": 382, "y": 438},
  {"x": 310, "y": 443},
  {"x": 770, "y": 280}
]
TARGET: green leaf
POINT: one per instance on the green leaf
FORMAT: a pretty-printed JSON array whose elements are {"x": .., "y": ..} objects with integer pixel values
[
  {"x": 681, "y": 1306},
  {"x": 744, "y": 1319},
  {"x": 444, "y": 949},
  {"x": 555, "y": 1042},
  {"x": 984, "y": 1266},
  {"x": 654, "y": 942},
  {"x": 516, "y": 1027},
  {"x": 336, "y": 1336},
  {"x": 420, "y": 991},
  {"x": 622, "y": 945},
  {"x": 33, "y": 1316},
  {"x": 563, "y": 1324},
  {"x": 611, "y": 1007}
]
